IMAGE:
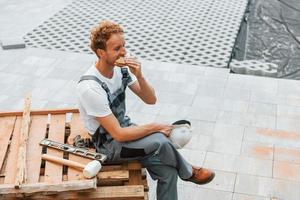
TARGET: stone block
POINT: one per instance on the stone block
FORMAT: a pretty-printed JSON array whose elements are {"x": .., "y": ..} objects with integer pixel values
[
  {"x": 254, "y": 67},
  {"x": 12, "y": 43}
]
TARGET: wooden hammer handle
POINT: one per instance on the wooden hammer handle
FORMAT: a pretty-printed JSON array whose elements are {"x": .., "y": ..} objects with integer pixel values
[{"x": 62, "y": 161}]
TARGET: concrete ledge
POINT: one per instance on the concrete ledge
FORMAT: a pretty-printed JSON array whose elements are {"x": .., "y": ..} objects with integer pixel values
[
  {"x": 254, "y": 67},
  {"x": 12, "y": 43}
]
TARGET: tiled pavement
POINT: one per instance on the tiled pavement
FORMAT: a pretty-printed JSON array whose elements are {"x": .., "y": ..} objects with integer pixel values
[{"x": 246, "y": 128}]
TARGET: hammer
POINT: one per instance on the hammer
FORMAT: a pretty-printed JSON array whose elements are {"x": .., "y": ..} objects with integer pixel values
[{"x": 89, "y": 171}]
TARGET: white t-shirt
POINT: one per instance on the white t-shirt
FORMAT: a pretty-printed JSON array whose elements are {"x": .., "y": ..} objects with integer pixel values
[{"x": 92, "y": 98}]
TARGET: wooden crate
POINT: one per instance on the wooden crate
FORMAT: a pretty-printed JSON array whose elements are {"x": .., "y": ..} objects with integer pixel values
[{"x": 46, "y": 180}]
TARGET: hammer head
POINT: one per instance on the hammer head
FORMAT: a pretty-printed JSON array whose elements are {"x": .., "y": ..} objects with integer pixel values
[{"x": 92, "y": 169}]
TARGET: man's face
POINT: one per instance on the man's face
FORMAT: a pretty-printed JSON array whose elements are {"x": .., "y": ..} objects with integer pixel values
[{"x": 115, "y": 48}]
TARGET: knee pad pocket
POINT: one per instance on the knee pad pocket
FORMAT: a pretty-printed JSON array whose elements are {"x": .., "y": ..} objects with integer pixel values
[{"x": 132, "y": 153}]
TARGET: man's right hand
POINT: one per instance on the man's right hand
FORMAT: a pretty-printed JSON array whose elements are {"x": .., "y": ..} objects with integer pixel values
[{"x": 163, "y": 128}]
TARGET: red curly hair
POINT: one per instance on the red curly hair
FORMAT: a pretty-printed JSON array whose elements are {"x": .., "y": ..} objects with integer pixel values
[{"x": 101, "y": 33}]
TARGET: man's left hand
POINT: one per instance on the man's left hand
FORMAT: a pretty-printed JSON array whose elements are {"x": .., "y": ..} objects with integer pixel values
[{"x": 134, "y": 66}]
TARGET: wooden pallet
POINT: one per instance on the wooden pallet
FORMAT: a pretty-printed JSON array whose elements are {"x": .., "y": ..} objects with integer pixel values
[{"x": 39, "y": 179}]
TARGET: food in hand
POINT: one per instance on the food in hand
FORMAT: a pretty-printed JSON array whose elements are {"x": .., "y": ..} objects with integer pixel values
[{"x": 120, "y": 62}]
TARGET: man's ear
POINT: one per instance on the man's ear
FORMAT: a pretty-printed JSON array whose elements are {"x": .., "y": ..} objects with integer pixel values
[{"x": 100, "y": 53}]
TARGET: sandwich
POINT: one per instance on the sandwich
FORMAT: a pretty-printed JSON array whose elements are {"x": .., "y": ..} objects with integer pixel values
[{"x": 120, "y": 62}]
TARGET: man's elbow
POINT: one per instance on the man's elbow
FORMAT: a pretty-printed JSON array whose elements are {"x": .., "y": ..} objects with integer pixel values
[
  {"x": 152, "y": 101},
  {"x": 119, "y": 137}
]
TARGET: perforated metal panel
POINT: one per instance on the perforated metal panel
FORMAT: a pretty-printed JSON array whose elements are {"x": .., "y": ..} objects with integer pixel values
[{"x": 200, "y": 32}]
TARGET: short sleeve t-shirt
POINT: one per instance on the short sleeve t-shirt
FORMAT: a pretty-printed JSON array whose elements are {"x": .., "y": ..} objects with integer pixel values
[{"x": 92, "y": 98}]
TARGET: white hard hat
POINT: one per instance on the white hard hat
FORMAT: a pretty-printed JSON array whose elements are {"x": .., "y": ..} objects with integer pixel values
[{"x": 181, "y": 134}]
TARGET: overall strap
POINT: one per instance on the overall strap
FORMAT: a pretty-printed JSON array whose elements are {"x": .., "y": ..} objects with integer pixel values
[
  {"x": 94, "y": 78},
  {"x": 125, "y": 77}
]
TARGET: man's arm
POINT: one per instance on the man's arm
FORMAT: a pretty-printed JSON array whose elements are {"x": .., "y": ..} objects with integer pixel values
[
  {"x": 123, "y": 134},
  {"x": 143, "y": 90},
  {"x": 141, "y": 87}
]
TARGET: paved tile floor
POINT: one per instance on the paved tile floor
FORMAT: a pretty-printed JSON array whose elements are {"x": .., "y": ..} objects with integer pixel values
[{"x": 246, "y": 128}]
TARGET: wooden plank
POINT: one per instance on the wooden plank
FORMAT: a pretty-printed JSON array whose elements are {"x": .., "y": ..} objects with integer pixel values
[
  {"x": 34, "y": 150},
  {"x": 6, "y": 129},
  {"x": 41, "y": 112},
  {"x": 133, "y": 192},
  {"x": 76, "y": 128},
  {"x": 120, "y": 175},
  {"x": 21, "y": 175},
  {"x": 135, "y": 173},
  {"x": 135, "y": 177},
  {"x": 53, "y": 171},
  {"x": 134, "y": 165},
  {"x": 8, "y": 190},
  {"x": 11, "y": 167}
]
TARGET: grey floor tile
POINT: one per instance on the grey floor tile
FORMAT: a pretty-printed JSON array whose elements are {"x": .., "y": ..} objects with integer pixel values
[
  {"x": 194, "y": 157},
  {"x": 12, "y": 103},
  {"x": 223, "y": 181},
  {"x": 286, "y": 111},
  {"x": 238, "y": 164},
  {"x": 255, "y": 83},
  {"x": 262, "y": 108},
  {"x": 207, "y": 81},
  {"x": 216, "y": 72},
  {"x": 267, "y": 97},
  {"x": 286, "y": 189},
  {"x": 257, "y": 150},
  {"x": 174, "y": 98},
  {"x": 207, "y": 90},
  {"x": 227, "y": 146},
  {"x": 201, "y": 114},
  {"x": 140, "y": 118},
  {"x": 19, "y": 90},
  {"x": 206, "y": 102},
  {"x": 218, "y": 161},
  {"x": 202, "y": 127},
  {"x": 64, "y": 96},
  {"x": 292, "y": 100},
  {"x": 234, "y": 105},
  {"x": 146, "y": 108},
  {"x": 291, "y": 155},
  {"x": 226, "y": 131},
  {"x": 254, "y": 166},
  {"x": 270, "y": 136},
  {"x": 179, "y": 78},
  {"x": 65, "y": 74},
  {"x": 267, "y": 187},
  {"x": 237, "y": 80},
  {"x": 171, "y": 86},
  {"x": 254, "y": 185},
  {"x": 190, "y": 69},
  {"x": 199, "y": 142},
  {"x": 235, "y": 118},
  {"x": 286, "y": 171},
  {"x": 237, "y": 196},
  {"x": 288, "y": 124},
  {"x": 196, "y": 193},
  {"x": 237, "y": 94},
  {"x": 168, "y": 109}
]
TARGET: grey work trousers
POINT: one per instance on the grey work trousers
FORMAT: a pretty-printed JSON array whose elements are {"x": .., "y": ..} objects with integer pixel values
[{"x": 162, "y": 160}]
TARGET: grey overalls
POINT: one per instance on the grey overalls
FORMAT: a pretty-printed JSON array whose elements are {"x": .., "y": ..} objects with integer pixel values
[{"x": 163, "y": 162}]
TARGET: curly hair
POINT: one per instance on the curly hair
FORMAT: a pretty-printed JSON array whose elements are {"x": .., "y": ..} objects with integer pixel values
[{"x": 101, "y": 33}]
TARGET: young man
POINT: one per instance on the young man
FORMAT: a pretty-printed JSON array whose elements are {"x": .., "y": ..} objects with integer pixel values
[{"x": 101, "y": 94}]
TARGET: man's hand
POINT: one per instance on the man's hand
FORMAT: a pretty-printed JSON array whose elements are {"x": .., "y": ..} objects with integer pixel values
[
  {"x": 134, "y": 66},
  {"x": 163, "y": 128}
]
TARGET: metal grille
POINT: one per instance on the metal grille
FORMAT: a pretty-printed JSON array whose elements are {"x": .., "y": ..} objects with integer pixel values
[{"x": 181, "y": 31}]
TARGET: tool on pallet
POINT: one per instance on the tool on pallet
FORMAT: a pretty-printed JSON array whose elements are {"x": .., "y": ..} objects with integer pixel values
[
  {"x": 79, "y": 151},
  {"x": 90, "y": 170}
]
